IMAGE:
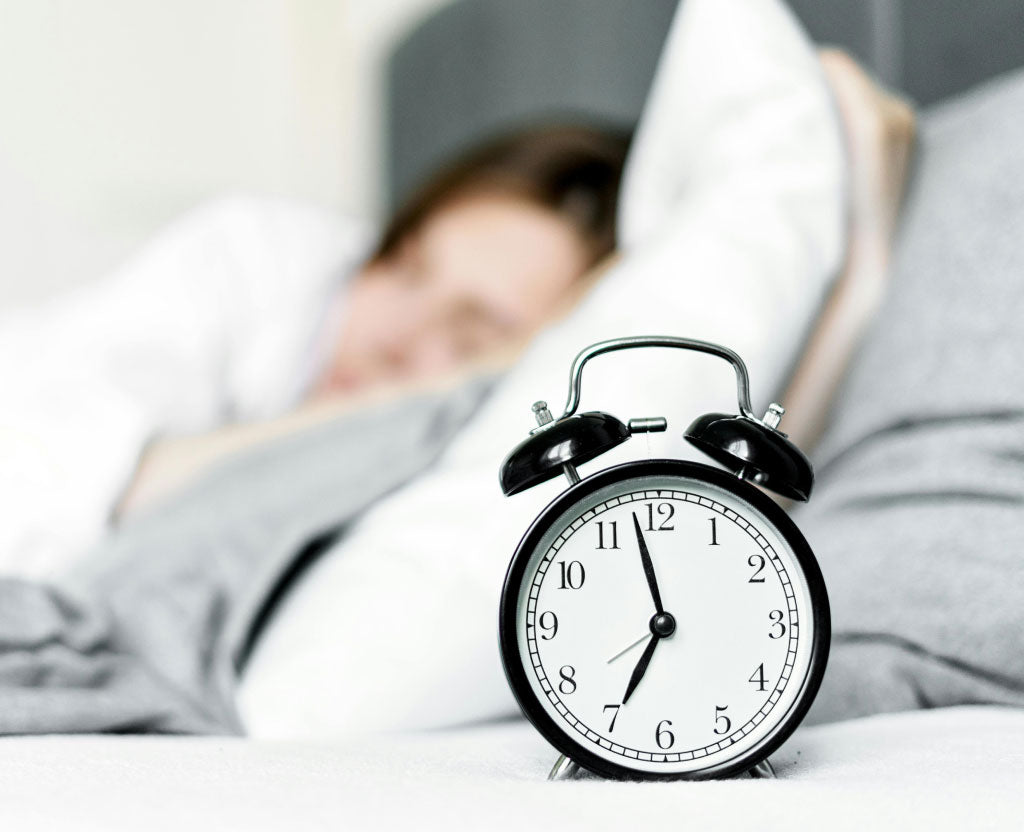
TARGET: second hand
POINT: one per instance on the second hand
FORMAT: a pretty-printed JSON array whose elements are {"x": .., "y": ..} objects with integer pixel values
[{"x": 632, "y": 645}]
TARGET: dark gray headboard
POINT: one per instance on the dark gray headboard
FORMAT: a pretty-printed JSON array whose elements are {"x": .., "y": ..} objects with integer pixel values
[
  {"x": 930, "y": 49},
  {"x": 477, "y": 66}
]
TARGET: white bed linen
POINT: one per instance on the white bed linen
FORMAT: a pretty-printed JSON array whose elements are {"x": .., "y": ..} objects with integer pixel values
[
  {"x": 947, "y": 769},
  {"x": 731, "y": 215}
]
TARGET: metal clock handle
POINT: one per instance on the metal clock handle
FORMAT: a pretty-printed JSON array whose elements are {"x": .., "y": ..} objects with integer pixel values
[{"x": 612, "y": 345}]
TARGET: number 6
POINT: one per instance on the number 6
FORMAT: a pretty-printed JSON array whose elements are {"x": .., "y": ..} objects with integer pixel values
[{"x": 664, "y": 737}]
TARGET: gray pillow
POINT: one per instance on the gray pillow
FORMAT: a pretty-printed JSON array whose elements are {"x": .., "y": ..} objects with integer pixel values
[{"x": 918, "y": 515}]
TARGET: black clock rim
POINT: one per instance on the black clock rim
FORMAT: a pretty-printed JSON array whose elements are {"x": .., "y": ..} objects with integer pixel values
[{"x": 508, "y": 639}]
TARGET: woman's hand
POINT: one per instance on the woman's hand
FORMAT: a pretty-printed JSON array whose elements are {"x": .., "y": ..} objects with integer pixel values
[
  {"x": 169, "y": 464},
  {"x": 879, "y": 128}
]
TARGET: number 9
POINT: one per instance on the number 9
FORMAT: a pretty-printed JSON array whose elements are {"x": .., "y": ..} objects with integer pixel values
[{"x": 548, "y": 621}]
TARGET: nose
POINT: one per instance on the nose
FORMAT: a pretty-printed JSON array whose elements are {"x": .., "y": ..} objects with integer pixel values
[{"x": 431, "y": 352}]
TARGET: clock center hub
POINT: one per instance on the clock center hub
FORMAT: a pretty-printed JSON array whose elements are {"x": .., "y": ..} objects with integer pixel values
[{"x": 664, "y": 624}]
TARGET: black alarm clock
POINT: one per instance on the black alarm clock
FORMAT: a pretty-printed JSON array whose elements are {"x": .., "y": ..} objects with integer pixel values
[{"x": 663, "y": 619}]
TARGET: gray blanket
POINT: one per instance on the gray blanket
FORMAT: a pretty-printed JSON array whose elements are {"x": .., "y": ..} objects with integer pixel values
[
  {"x": 918, "y": 515},
  {"x": 148, "y": 636}
]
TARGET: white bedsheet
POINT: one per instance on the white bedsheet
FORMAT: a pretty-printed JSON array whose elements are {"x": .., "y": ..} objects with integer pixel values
[{"x": 943, "y": 769}]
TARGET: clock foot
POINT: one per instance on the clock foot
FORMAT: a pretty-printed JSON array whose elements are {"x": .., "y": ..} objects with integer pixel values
[
  {"x": 565, "y": 768},
  {"x": 762, "y": 770}
]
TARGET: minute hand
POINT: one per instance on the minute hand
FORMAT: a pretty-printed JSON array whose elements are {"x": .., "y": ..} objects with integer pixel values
[{"x": 645, "y": 557}]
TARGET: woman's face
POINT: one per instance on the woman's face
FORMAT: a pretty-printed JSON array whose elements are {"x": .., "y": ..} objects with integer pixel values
[{"x": 480, "y": 273}]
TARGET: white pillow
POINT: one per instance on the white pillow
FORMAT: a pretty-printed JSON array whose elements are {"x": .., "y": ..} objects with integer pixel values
[{"x": 731, "y": 221}]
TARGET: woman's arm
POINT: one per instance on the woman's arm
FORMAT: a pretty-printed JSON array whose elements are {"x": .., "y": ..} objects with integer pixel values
[{"x": 170, "y": 463}]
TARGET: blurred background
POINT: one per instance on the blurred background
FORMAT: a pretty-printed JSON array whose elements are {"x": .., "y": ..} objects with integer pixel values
[{"x": 117, "y": 115}]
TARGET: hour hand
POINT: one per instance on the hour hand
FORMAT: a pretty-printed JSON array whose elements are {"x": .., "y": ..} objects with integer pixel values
[
  {"x": 641, "y": 667},
  {"x": 645, "y": 557}
]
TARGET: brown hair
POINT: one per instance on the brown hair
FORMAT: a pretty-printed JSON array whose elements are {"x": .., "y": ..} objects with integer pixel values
[{"x": 573, "y": 170}]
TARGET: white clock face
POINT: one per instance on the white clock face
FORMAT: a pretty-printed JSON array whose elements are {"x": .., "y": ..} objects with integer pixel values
[{"x": 699, "y": 685}]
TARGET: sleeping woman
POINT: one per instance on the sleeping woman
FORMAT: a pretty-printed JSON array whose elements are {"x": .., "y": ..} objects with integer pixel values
[{"x": 251, "y": 323}]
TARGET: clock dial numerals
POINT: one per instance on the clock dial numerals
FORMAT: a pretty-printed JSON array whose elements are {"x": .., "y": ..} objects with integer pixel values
[
  {"x": 567, "y": 686},
  {"x": 718, "y": 679},
  {"x": 573, "y": 575},
  {"x": 663, "y": 736},
  {"x": 757, "y": 562},
  {"x": 714, "y": 531},
  {"x": 548, "y": 622},
  {"x": 722, "y": 721},
  {"x": 664, "y": 518},
  {"x": 608, "y": 540}
]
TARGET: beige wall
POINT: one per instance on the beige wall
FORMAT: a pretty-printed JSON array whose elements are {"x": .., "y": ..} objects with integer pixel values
[{"x": 117, "y": 114}]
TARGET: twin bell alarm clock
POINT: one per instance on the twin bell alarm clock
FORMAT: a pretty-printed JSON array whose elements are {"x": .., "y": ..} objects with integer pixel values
[{"x": 663, "y": 619}]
